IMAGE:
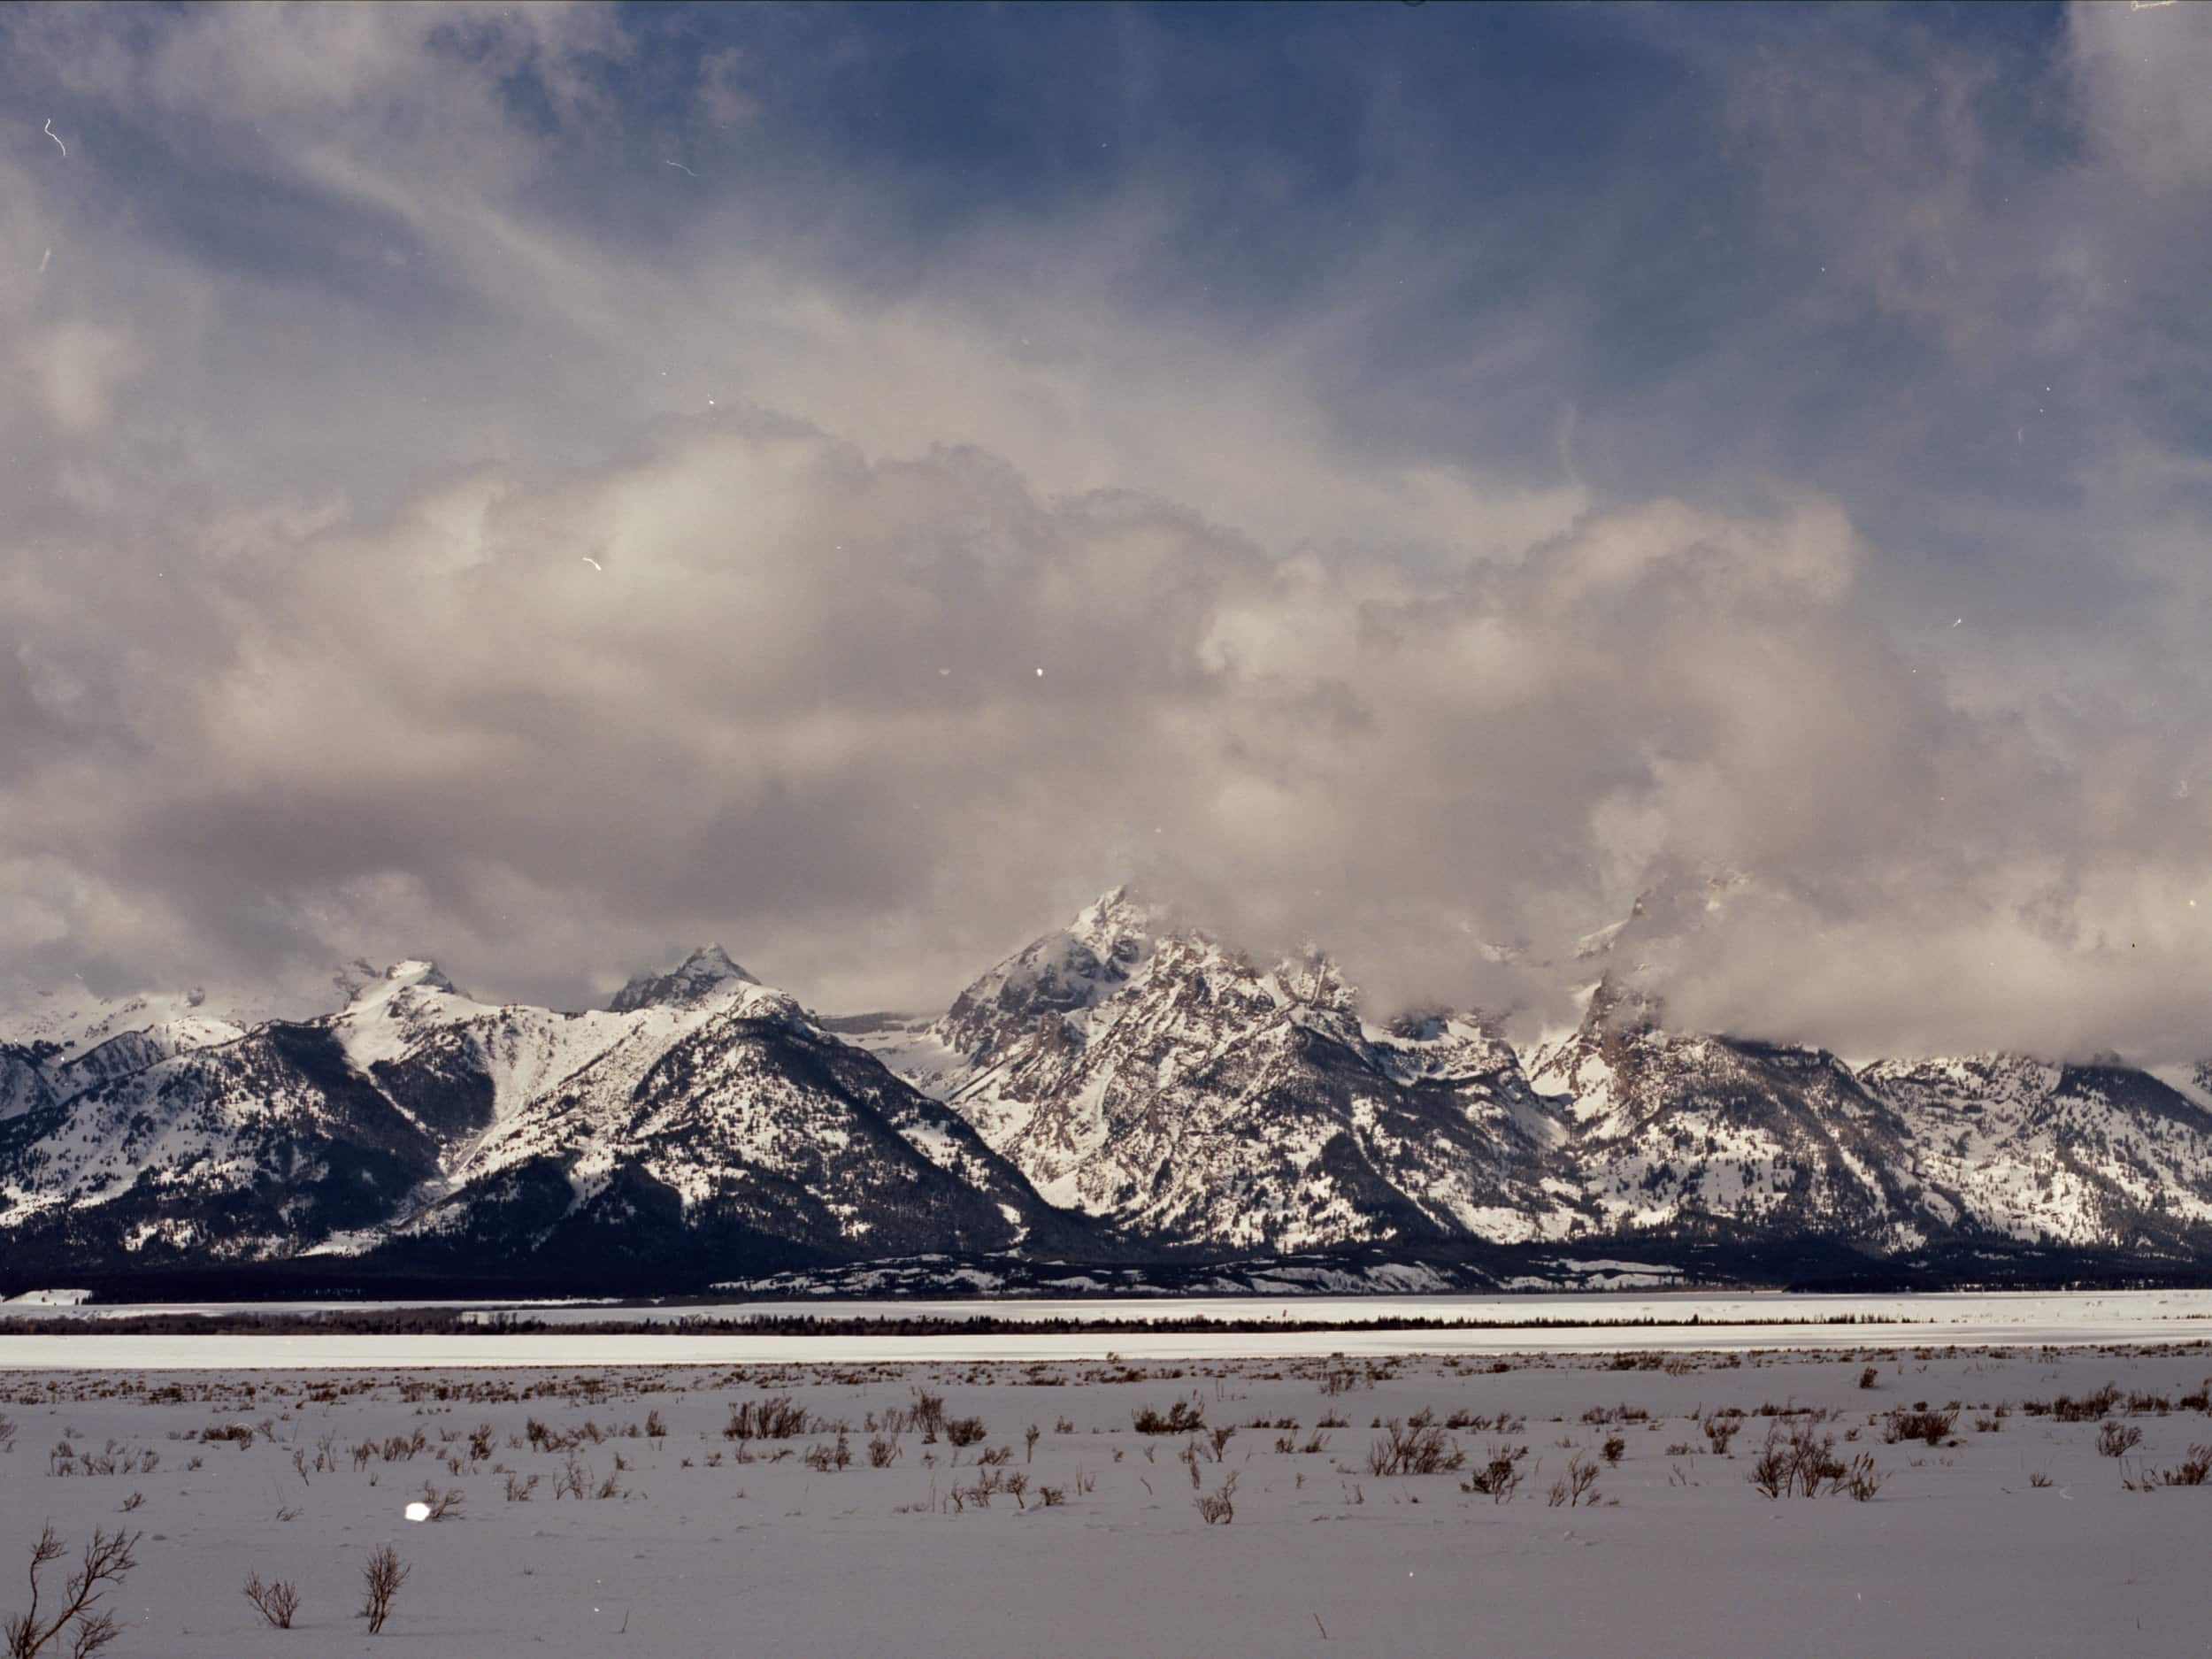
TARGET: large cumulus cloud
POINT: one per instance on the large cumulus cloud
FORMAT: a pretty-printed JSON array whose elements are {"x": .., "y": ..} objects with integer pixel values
[{"x": 425, "y": 542}]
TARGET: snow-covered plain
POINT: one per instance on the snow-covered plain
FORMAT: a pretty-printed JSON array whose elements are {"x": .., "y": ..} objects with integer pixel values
[
  {"x": 2031, "y": 1314},
  {"x": 1514, "y": 1325},
  {"x": 1964, "y": 1551}
]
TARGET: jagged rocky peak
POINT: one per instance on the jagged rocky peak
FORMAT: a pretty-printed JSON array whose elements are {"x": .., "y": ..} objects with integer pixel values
[
  {"x": 1067, "y": 971},
  {"x": 408, "y": 991},
  {"x": 361, "y": 981},
  {"x": 707, "y": 971},
  {"x": 1114, "y": 919},
  {"x": 1069, "y": 981},
  {"x": 1109, "y": 939},
  {"x": 1313, "y": 978},
  {"x": 414, "y": 973},
  {"x": 1619, "y": 1004},
  {"x": 420, "y": 971}
]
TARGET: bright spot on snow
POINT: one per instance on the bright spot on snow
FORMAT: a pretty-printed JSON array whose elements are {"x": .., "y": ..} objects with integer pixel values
[
  {"x": 417, "y": 1511},
  {"x": 593, "y": 563},
  {"x": 1040, "y": 674}
]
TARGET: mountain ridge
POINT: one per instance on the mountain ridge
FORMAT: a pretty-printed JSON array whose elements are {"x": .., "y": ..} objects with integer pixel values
[{"x": 1125, "y": 1089}]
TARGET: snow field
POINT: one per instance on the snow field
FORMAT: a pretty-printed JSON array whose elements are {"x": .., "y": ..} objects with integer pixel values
[{"x": 2010, "y": 1534}]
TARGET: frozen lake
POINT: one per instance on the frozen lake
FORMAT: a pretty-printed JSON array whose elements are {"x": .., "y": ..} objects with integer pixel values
[{"x": 1503, "y": 1325}]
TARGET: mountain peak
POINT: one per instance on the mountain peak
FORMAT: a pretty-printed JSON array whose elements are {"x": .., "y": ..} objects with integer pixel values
[
  {"x": 1114, "y": 915},
  {"x": 707, "y": 971},
  {"x": 391, "y": 987},
  {"x": 422, "y": 971}
]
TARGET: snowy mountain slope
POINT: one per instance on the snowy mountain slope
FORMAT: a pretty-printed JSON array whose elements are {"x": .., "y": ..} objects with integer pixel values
[
  {"x": 1688, "y": 1133},
  {"x": 1154, "y": 1080},
  {"x": 251, "y": 1148},
  {"x": 1676, "y": 1132},
  {"x": 706, "y": 1112},
  {"x": 459, "y": 1065},
  {"x": 70, "y": 1022},
  {"x": 1124, "y": 1089},
  {"x": 753, "y": 1122},
  {"x": 2074, "y": 1155},
  {"x": 24, "y": 1085},
  {"x": 1160, "y": 1082},
  {"x": 54, "y": 1045},
  {"x": 129, "y": 1051}
]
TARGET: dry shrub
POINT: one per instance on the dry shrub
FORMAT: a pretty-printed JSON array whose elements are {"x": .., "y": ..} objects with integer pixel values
[
  {"x": 1800, "y": 1463},
  {"x": 1862, "y": 1480},
  {"x": 1919, "y": 1424},
  {"x": 829, "y": 1455},
  {"x": 107, "y": 1560},
  {"x": 2117, "y": 1440},
  {"x": 1218, "y": 1509},
  {"x": 1501, "y": 1478},
  {"x": 442, "y": 1504},
  {"x": 1416, "y": 1446},
  {"x": 775, "y": 1417},
  {"x": 1576, "y": 1487},
  {"x": 2066, "y": 1409},
  {"x": 380, "y": 1579},
  {"x": 929, "y": 1415},
  {"x": 276, "y": 1602},
  {"x": 2194, "y": 1471},
  {"x": 1185, "y": 1417}
]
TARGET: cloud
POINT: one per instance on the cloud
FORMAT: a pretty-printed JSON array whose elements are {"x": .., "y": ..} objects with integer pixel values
[
  {"x": 452, "y": 531},
  {"x": 80, "y": 366},
  {"x": 2140, "y": 78}
]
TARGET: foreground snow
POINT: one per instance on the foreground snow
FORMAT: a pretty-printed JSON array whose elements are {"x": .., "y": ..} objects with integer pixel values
[{"x": 1962, "y": 1552}]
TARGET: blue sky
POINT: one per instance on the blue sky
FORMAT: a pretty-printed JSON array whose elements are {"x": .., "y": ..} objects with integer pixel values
[{"x": 1458, "y": 467}]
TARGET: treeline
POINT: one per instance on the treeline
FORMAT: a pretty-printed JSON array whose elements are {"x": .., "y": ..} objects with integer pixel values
[{"x": 474, "y": 1322}]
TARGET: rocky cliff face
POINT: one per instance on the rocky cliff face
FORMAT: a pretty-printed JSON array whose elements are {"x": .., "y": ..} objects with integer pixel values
[
  {"x": 1151, "y": 1078},
  {"x": 1181, "y": 1091}
]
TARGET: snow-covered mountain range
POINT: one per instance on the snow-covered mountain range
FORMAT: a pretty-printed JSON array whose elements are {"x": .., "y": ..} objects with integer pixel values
[{"x": 1122, "y": 1090}]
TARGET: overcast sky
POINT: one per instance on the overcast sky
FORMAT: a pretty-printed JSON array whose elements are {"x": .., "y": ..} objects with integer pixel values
[{"x": 540, "y": 488}]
